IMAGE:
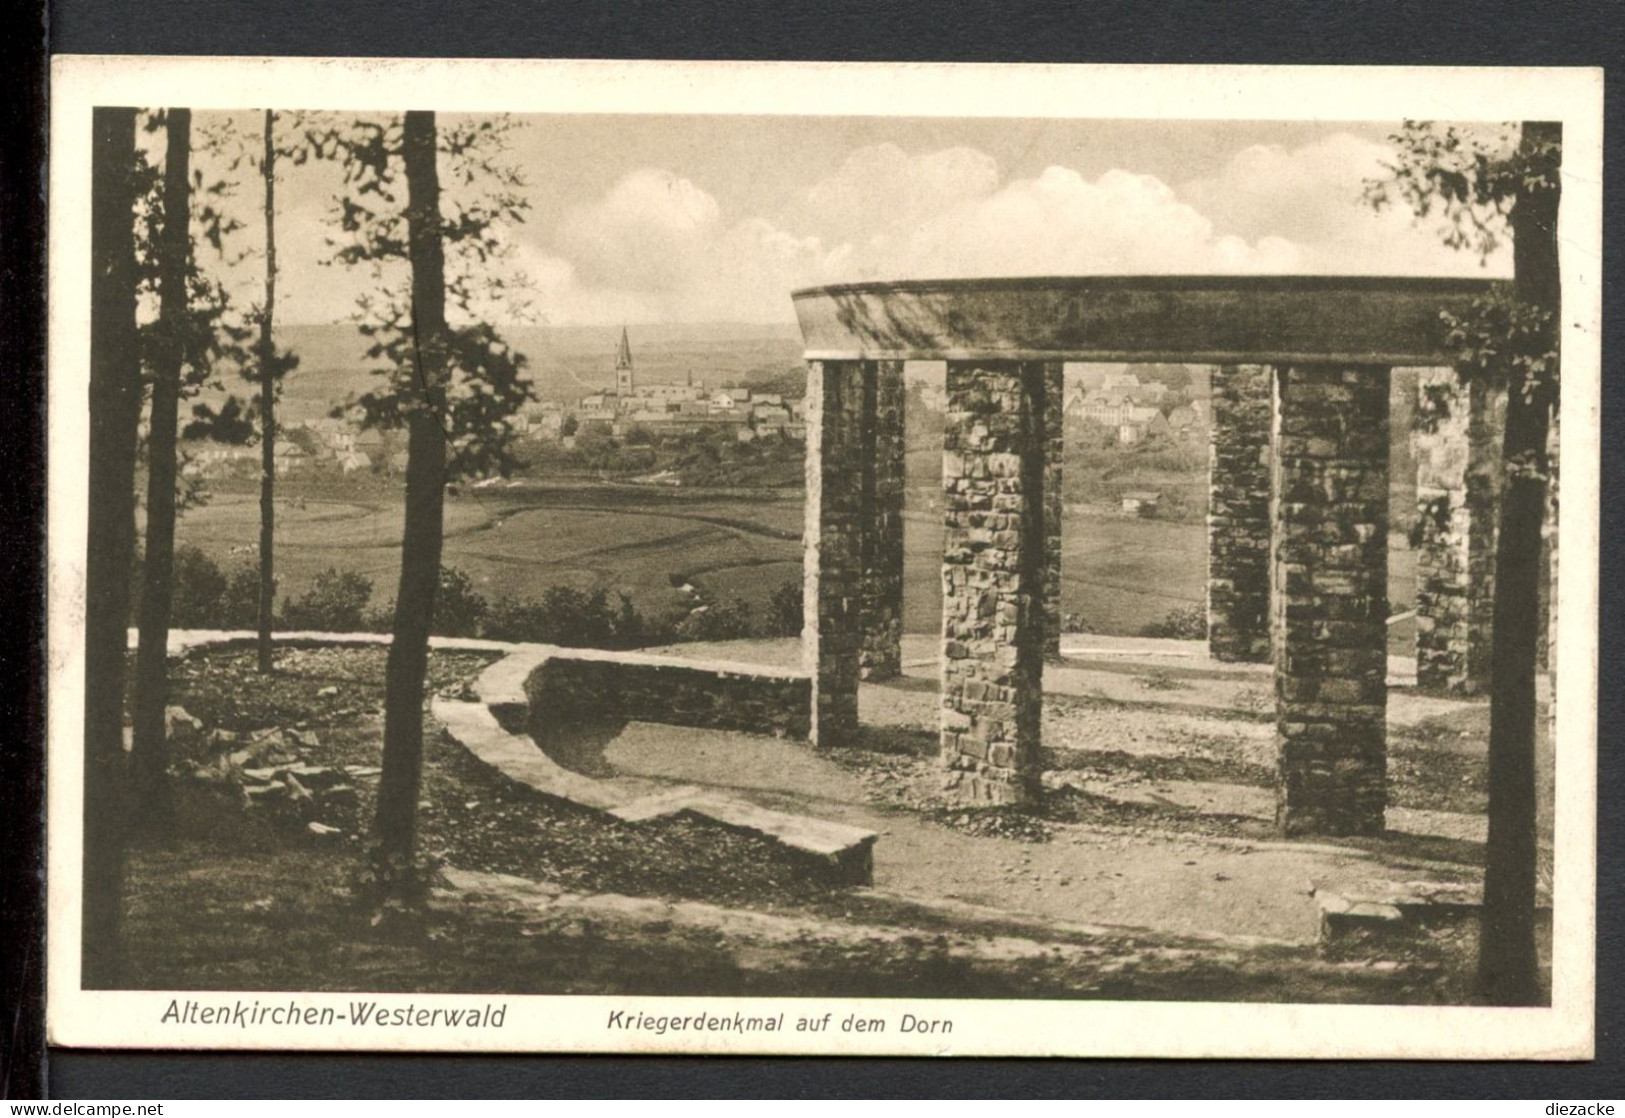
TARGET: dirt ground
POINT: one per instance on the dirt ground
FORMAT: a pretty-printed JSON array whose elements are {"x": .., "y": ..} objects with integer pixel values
[{"x": 246, "y": 899}]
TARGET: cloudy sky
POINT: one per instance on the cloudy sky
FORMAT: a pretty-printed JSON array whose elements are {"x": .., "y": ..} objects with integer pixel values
[{"x": 643, "y": 219}]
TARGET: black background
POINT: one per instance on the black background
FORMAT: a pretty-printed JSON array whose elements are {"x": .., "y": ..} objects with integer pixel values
[{"x": 1483, "y": 32}]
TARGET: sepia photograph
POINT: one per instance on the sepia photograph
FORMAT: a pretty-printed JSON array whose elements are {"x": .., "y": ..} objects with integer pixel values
[{"x": 823, "y": 559}]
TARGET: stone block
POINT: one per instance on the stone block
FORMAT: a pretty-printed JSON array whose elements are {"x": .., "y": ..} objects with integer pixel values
[
  {"x": 1330, "y": 575},
  {"x": 995, "y": 576},
  {"x": 1239, "y": 528}
]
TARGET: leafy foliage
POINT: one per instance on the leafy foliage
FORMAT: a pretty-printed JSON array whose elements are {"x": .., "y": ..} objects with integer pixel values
[
  {"x": 240, "y": 604},
  {"x": 1184, "y": 623},
  {"x": 336, "y": 602},
  {"x": 224, "y": 424},
  {"x": 199, "y": 587},
  {"x": 483, "y": 382},
  {"x": 458, "y": 607},
  {"x": 211, "y": 331},
  {"x": 1474, "y": 182},
  {"x": 1509, "y": 344},
  {"x": 572, "y": 618},
  {"x": 729, "y": 619},
  {"x": 233, "y": 422},
  {"x": 785, "y": 609},
  {"x": 1470, "y": 179}
]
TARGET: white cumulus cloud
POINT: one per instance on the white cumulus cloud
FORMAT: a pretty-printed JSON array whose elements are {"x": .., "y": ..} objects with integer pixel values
[
  {"x": 1311, "y": 195},
  {"x": 650, "y": 232},
  {"x": 659, "y": 246}
]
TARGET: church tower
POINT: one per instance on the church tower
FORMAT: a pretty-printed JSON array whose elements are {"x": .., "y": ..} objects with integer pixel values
[{"x": 623, "y": 368}]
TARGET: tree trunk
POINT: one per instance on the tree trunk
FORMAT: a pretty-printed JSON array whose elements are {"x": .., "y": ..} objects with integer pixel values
[
  {"x": 421, "y": 537},
  {"x": 115, "y": 408},
  {"x": 1508, "y": 969},
  {"x": 267, "y": 357},
  {"x": 151, "y": 755}
]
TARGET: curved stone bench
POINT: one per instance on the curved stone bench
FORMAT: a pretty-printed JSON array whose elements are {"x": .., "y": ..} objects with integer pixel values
[
  {"x": 541, "y": 689},
  {"x": 549, "y": 686}
]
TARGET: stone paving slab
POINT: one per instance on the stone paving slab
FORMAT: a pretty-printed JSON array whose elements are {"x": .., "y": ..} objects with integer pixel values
[{"x": 1368, "y": 906}]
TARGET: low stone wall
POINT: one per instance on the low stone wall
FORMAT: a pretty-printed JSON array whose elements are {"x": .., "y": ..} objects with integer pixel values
[{"x": 576, "y": 686}]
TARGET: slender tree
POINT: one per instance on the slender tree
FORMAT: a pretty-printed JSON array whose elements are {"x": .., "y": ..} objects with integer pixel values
[
  {"x": 1483, "y": 191},
  {"x": 423, "y": 401},
  {"x": 115, "y": 407},
  {"x": 151, "y": 747},
  {"x": 1508, "y": 968},
  {"x": 239, "y": 422},
  {"x": 267, "y": 361}
]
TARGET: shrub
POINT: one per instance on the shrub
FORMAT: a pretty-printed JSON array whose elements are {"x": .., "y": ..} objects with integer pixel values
[
  {"x": 240, "y": 604},
  {"x": 573, "y": 618},
  {"x": 1183, "y": 623},
  {"x": 336, "y": 602},
  {"x": 719, "y": 621},
  {"x": 458, "y": 607},
  {"x": 785, "y": 609},
  {"x": 199, "y": 584}
]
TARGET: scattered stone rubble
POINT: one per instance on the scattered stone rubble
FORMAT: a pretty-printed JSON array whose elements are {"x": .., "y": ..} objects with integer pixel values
[{"x": 269, "y": 772}]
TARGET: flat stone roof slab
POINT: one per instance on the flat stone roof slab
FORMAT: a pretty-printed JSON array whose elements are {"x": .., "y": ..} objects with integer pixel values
[{"x": 1349, "y": 320}]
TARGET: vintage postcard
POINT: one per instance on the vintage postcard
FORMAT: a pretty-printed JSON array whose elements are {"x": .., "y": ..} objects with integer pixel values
[{"x": 824, "y": 559}]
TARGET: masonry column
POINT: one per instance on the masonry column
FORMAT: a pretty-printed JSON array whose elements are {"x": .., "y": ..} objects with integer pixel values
[
  {"x": 1458, "y": 469},
  {"x": 1054, "y": 509},
  {"x": 1330, "y": 607},
  {"x": 1238, "y": 519},
  {"x": 881, "y": 656},
  {"x": 992, "y": 578},
  {"x": 832, "y": 566}
]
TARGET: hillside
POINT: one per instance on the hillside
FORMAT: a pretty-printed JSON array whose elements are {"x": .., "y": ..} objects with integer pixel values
[{"x": 565, "y": 361}]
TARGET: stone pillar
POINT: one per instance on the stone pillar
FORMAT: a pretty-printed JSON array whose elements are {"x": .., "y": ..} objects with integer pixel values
[
  {"x": 1330, "y": 601},
  {"x": 1238, "y": 518},
  {"x": 1054, "y": 509},
  {"x": 881, "y": 656},
  {"x": 1458, "y": 469},
  {"x": 992, "y": 578},
  {"x": 832, "y": 566}
]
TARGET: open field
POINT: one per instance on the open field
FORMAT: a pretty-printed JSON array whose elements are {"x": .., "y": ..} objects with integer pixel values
[
  {"x": 1120, "y": 573},
  {"x": 519, "y": 542}
]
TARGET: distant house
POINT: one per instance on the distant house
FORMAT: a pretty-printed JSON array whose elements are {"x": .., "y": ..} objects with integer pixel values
[
  {"x": 289, "y": 457},
  {"x": 1139, "y": 422},
  {"x": 205, "y": 456},
  {"x": 1128, "y": 382},
  {"x": 1141, "y": 502},
  {"x": 353, "y": 461},
  {"x": 1115, "y": 407},
  {"x": 332, "y": 437}
]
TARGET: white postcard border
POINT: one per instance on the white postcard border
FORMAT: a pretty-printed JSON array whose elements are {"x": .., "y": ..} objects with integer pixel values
[{"x": 577, "y": 1023}]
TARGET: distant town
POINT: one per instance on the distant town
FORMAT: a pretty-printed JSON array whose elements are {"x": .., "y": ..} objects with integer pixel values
[
  {"x": 1115, "y": 408},
  {"x": 634, "y": 412}
]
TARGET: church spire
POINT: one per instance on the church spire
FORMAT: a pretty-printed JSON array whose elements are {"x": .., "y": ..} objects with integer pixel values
[{"x": 623, "y": 366}]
